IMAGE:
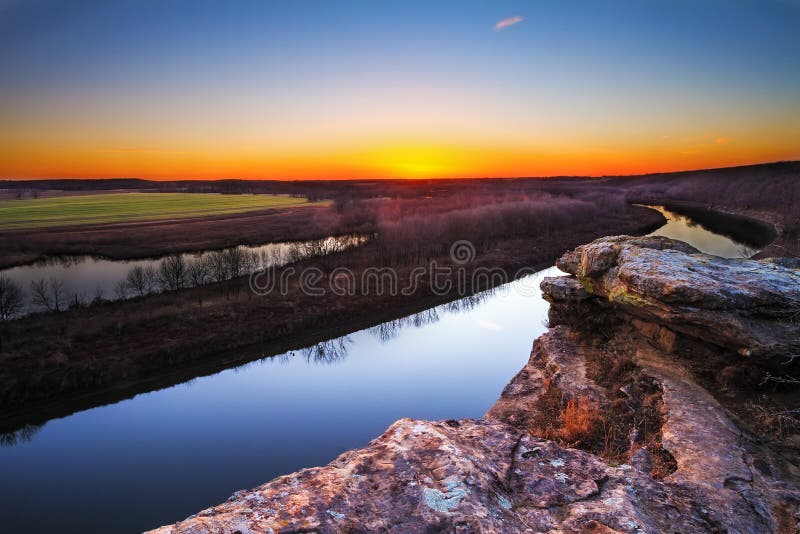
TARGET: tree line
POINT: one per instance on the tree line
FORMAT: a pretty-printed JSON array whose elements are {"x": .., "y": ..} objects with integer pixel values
[{"x": 172, "y": 273}]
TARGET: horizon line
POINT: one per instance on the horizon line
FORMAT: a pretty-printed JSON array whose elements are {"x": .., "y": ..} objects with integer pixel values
[{"x": 373, "y": 179}]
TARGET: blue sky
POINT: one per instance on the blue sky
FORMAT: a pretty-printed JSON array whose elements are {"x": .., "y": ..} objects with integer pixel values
[{"x": 253, "y": 84}]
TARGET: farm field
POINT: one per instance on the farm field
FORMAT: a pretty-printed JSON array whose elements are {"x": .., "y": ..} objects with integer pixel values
[{"x": 128, "y": 207}]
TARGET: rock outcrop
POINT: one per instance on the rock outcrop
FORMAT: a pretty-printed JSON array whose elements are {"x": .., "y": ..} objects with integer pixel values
[
  {"x": 745, "y": 305},
  {"x": 479, "y": 476},
  {"x": 502, "y": 473}
]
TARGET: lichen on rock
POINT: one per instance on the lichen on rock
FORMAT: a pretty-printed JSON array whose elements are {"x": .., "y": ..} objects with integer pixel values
[
  {"x": 629, "y": 303},
  {"x": 739, "y": 304}
]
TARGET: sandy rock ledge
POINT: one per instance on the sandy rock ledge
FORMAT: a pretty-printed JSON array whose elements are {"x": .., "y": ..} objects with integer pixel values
[{"x": 497, "y": 474}]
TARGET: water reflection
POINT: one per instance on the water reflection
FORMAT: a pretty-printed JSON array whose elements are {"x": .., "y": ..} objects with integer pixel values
[
  {"x": 186, "y": 447},
  {"x": 389, "y": 330},
  {"x": 21, "y": 435},
  {"x": 327, "y": 352},
  {"x": 685, "y": 229},
  {"x": 180, "y": 449},
  {"x": 88, "y": 278}
]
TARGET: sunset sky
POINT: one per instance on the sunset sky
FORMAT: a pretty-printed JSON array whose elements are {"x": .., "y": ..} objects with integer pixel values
[{"x": 292, "y": 89}]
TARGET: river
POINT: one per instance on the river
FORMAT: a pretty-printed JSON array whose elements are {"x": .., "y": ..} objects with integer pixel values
[
  {"x": 161, "y": 456},
  {"x": 86, "y": 278}
]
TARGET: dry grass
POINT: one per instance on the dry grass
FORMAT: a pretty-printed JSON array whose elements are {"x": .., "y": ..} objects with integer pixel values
[
  {"x": 580, "y": 419},
  {"x": 627, "y": 419},
  {"x": 611, "y": 430},
  {"x": 574, "y": 422},
  {"x": 769, "y": 419}
]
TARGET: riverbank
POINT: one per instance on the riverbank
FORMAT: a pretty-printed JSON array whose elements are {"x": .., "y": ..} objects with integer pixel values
[
  {"x": 114, "y": 350},
  {"x": 147, "y": 239},
  {"x": 171, "y": 450},
  {"x": 756, "y": 226},
  {"x": 768, "y": 193},
  {"x": 611, "y": 426}
]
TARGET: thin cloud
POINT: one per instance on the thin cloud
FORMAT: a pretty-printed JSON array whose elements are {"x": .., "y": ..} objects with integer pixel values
[
  {"x": 489, "y": 325},
  {"x": 505, "y": 23}
]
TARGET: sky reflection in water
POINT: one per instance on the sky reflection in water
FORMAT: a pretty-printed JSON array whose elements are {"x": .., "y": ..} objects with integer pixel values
[{"x": 162, "y": 456}]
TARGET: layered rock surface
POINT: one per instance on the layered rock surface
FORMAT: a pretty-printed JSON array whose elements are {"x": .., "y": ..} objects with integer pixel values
[
  {"x": 496, "y": 475},
  {"x": 745, "y": 305}
]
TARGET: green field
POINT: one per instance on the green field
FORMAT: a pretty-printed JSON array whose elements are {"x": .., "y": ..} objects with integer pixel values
[{"x": 126, "y": 207}]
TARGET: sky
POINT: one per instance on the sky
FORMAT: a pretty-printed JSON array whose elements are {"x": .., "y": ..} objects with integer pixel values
[{"x": 306, "y": 89}]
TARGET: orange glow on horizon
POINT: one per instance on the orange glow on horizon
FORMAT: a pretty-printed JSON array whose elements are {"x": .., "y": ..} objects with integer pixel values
[
  {"x": 397, "y": 90},
  {"x": 392, "y": 159}
]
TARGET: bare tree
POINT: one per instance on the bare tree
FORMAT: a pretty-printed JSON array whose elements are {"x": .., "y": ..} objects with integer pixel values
[
  {"x": 274, "y": 256},
  {"x": 218, "y": 266},
  {"x": 12, "y": 299},
  {"x": 197, "y": 272},
  {"x": 319, "y": 247},
  {"x": 121, "y": 290},
  {"x": 76, "y": 300},
  {"x": 293, "y": 253},
  {"x": 40, "y": 294},
  {"x": 49, "y": 294},
  {"x": 252, "y": 261},
  {"x": 150, "y": 279},
  {"x": 98, "y": 294},
  {"x": 235, "y": 259},
  {"x": 137, "y": 281},
  {"x": 58, "y": 293},
  {"x": 172, "y": 272}
]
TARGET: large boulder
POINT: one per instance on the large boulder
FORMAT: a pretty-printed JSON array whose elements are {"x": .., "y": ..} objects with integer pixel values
[
  {"x": 750, "y": 306},
  {"x": 493, "y": 475},
  {"x": 498, "y": 474},
  {"x": 473, "y": 476}
]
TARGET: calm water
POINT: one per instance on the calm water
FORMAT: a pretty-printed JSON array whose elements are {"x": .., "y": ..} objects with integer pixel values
[
  {"x": 162, "y": 456},
  {"x": 88, "y": 277},
  {"x": 684, "y": 229}
]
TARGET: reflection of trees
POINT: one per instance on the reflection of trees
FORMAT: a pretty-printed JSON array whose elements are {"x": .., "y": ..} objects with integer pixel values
[
  {"x": 284, "y": 358},
  {"x": 386, "y": 331},
  {"x": 331, "y": 351},
  {"x": 335, "y": 350},
  {"x": 176, "y": 271},
  {"x": 280, "y": 254},
  {"x": 62, "y": 261},
  {"x": 749, "y": 234},
  {"x": 471, "y": 302},
  {"x": 390, "y": 329},
  {"x": 21, "y": 435}
]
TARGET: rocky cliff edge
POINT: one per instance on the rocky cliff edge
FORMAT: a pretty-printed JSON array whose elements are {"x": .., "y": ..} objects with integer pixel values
[{"x": 613, "y": 425}]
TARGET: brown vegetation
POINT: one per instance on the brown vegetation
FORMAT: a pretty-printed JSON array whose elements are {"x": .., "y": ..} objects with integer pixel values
[
  {"x": 627, "y": 419},
  {"x": 767, "y": 192},
  {"x": 95, "y": 348},
  {"x": 624, "y": 415},
  {"x": 580, "y": 418},
  {"x": 770, "y": 193},
  {"x": 155, "y": 238},
  {"x": 765, "y": 402}
]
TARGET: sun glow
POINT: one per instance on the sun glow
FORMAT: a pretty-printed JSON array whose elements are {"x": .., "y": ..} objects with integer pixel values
[
  {"x": 270, "y": 94},
  {"x": 412, "y": 162},
  {"x": 393, "y": 159}
]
